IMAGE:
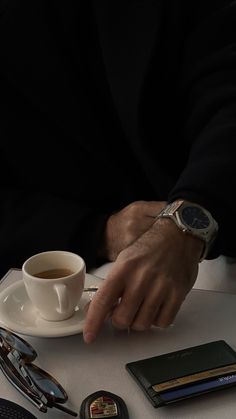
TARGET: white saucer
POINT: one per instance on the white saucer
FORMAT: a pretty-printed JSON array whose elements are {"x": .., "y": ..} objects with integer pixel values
[{"x": 18, "y": 314}]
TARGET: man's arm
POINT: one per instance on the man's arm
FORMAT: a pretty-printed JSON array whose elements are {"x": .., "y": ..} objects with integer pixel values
[
  {"x": 208, "y": 90},
  {"x": 151, "y": 278}
]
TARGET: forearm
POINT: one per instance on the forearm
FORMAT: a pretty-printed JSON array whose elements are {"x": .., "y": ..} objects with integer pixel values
[{"x": 208, "y": 89}]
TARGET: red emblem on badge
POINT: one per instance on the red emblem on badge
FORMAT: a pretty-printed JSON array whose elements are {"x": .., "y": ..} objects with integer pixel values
[{"x": 103, "y": 407}]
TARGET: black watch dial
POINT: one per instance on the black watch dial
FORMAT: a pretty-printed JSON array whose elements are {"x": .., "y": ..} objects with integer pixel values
[{"x": 195, "y": 217}]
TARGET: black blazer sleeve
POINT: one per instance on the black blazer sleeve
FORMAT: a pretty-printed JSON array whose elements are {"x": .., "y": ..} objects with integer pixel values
[{"x": 208, "y": 89}]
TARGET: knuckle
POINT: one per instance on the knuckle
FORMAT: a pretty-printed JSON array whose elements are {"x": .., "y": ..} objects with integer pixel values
[
  {"x": 101, "y": 300},
  {"x": 120, "y": 322},
  {"x": 135, "y": 207},
  {"x": 140, "y": 327},
  {"x": 163, "y": 324},
  {"x": 130, "y": 228}
]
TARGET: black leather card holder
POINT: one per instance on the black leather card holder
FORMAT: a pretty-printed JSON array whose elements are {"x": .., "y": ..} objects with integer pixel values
[{"x": 158, "y": 376}]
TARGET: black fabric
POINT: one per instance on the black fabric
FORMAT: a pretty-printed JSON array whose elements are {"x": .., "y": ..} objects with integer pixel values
[
  {"x": 11, "y": 410},
  {"x": 63, "y": 94}
]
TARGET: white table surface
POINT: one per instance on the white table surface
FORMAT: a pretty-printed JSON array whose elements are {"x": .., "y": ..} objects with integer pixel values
[{"x": 82, "y": 369}]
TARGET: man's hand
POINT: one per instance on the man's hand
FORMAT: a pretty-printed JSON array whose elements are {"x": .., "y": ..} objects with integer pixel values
[
  {"x": 126, "y": 225},
  {"x": 148, "y": 282}
]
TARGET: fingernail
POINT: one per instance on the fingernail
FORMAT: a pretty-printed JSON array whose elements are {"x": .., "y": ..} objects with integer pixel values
[{"x": 89, "y": 337}]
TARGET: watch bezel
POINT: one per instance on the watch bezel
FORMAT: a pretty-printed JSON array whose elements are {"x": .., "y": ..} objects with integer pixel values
[
  {"x": 207, "y": 234},
  {"x": 203, "y": 232}
]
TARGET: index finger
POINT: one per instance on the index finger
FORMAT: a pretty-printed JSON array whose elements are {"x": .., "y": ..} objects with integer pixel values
[{"x": 101, "y": 305}]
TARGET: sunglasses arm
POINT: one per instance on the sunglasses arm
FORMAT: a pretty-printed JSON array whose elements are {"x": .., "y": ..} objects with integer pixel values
[
  {"x": 19, "y": 385},
  {"x": 63, "y": 408},
  {"x": 17, "y": 375}
]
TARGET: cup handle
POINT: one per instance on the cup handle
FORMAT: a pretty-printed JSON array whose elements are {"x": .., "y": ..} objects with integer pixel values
[{"x": 62, "y": 298}]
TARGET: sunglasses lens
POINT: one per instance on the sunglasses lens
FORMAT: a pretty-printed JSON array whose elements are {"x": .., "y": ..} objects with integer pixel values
[
  {"x": 46, "y": 384},
  {"x": 18, "y": 344}
]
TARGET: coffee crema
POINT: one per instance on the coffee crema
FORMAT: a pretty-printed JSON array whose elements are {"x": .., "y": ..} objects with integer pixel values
[{"x": 54, "y": 273}]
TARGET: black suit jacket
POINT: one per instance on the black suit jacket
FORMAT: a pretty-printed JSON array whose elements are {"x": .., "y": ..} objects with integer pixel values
[{"x": 108, "y": 102}]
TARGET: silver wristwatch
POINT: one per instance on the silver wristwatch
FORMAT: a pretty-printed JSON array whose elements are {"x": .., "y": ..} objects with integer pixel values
[{"x": 193, "y": 219}]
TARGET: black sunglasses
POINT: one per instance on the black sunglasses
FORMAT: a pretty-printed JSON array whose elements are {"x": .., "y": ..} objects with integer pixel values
[{"x": 16, "y": 357}]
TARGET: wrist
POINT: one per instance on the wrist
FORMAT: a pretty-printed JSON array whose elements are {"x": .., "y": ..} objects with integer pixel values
[
  {"x": 194, "y": 220},
  {"x": 167, "y": 227}
]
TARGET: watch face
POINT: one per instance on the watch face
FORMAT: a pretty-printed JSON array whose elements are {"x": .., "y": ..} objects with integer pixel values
[{"x": 194, "y": 217}]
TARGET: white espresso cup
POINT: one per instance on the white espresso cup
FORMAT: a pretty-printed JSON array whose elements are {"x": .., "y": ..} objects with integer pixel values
[{"x": 54, "y": 281}]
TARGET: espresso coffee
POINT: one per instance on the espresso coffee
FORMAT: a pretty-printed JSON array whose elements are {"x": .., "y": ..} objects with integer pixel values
[{"x": 54, "y": 273}]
